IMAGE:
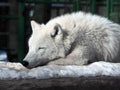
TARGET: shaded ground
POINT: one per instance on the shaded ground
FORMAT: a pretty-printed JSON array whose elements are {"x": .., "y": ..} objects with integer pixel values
[{"x": 82, "y": 83}]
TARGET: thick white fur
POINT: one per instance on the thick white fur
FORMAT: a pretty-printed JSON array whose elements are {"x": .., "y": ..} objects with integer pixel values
[{"x": 81, "y": 38}]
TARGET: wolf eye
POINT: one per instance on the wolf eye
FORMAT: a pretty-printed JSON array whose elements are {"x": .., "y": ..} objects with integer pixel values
[{"x": 41, "y": 48}]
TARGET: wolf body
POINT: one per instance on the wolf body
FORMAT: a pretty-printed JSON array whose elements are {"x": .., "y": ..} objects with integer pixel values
[{"x": 73, "y": 39}]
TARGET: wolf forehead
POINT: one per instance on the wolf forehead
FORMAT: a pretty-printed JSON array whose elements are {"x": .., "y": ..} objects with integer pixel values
[
  {"x": 42, "y": 33},
  {"x": 41, "y": 30}
]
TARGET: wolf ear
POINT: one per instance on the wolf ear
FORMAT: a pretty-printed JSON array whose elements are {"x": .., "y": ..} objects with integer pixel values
[
  {"x": 57, "y": 30},
  {"x": 35, "y": 26}
]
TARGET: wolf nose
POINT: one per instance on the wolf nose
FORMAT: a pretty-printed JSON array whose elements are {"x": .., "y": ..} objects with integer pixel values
[{"x": 25, "y": 63}]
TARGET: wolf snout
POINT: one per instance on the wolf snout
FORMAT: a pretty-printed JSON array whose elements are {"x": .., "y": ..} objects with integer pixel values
[{"x": 25, "y": 63}]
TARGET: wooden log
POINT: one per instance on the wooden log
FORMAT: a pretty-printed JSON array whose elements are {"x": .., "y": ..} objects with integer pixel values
[{"x": 81, "y": 83}]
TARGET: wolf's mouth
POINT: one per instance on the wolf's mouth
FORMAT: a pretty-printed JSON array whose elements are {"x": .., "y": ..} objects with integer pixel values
[{"x": 43, "y": 63}]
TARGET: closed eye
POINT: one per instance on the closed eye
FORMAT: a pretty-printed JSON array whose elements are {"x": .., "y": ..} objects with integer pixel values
[{"x": 41, "y": 48}]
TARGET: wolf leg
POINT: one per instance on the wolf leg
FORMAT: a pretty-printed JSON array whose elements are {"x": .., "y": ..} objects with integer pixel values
[{"x": 80, "y": 56}]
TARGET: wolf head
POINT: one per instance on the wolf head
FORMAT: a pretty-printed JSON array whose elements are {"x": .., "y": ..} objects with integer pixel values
[{"x": 45, "y": 44}]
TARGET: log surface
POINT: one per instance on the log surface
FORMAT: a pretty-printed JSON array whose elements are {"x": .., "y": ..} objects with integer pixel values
[{"x": 81, "y": 83}]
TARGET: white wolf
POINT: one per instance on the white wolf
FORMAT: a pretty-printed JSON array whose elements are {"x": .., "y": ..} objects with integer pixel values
[{"x": 73, "y": 39}]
